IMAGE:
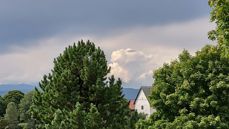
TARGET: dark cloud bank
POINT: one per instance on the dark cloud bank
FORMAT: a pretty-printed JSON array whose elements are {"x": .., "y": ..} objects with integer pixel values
[{"x": 23, "y": 21}]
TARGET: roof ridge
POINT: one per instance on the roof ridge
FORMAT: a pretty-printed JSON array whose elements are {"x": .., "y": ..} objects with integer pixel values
[{"x": 146, "y": 90}]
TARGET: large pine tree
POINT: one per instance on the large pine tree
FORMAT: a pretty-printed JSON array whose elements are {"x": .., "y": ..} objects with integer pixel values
[{"x": 79, "y": 81}]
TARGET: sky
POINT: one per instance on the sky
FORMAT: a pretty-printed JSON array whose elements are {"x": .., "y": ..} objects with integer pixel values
[{"x": 137, "y": 36}]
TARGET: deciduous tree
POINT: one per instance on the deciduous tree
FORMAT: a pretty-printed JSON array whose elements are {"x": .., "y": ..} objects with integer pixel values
[
  {"x": 24, "y": 106},
  {"x": 12, "y": 115},
  {"x": 13, "y": 96},
  {"x": 193, "y": 91}
]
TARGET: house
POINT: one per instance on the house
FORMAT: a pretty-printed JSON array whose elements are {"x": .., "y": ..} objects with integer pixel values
[{"x": 141, "y": 102}]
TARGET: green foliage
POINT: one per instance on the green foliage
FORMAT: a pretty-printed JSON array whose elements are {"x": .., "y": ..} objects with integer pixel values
[
  {"x": 191, "y": 93},
  {"x": 12, "y": 115},
  {"x": 26, "y": 122},
  {"x": 24, "y": 106},
  {"x": 3, "y": 123},
  {"x": 78, "y": 88},
  {"x": 76, "y": 119},
  {"x": 2, "y": 106},
  {"x": 30, "y": 124},
  {"x": 13, "y": 96},
  {"x": 22, "y": 103},
  {"x": 220, "y": 15}
]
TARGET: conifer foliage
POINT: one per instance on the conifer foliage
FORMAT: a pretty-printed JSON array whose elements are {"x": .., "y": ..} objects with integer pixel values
[{"x": 79, "y": 94}]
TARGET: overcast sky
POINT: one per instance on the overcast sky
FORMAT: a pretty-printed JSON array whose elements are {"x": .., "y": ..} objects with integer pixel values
[{"x": 138, "y": 36}]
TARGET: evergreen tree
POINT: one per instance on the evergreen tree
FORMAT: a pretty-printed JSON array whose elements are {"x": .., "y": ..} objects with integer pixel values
[
  {"x": 193, "y": 92},
  {"x": 11, "y": 116},
  {"x": 79, "y": 81}
]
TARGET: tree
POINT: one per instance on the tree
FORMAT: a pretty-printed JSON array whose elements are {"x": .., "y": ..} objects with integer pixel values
[
  {"x": 76, "y": 119},
  {"x": 11, "y": 116},
  {"x": 220, "y": 15},
  {"x": 24, "y": 106},
  {"x": 3, "y": 123},
  {"x": 80, "y": 77},
  {"x": 13, "y": 96},
  {"x": 193, "y": 91},
  {"x": 25, "y": 119},
  {"x": 2, "y": 106}
]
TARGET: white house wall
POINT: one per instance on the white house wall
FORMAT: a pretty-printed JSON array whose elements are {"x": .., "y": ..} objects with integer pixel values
[{"x": 142, "y": 101}]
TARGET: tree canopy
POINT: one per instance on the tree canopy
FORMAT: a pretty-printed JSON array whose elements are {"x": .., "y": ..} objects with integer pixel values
[
  {"x": 12, "y": 115},
  {"x": 220, "y": 15},
  {"x": 193, "y": 91},
  {"x": 2, "y": 106},
  {"x": 80, "y": 90},
  {"x": 24, "y": 106},
  {"x": 13, "y": 96}
]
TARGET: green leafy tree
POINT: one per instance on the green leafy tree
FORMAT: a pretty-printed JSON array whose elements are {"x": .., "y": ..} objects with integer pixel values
[
  {"x": 2, "y": 107},
  {"x": 13, "y": 96},
  {"x": 24, "y": 106},
  {"x": 220, "y": 15},
  {"x": 80, "y": 75},
  {"x": 25, "y": 119},
  {"x": 12, "y": 115},
  {"x": 3, "y": 123},
  {"x": 193, "y": 91}
]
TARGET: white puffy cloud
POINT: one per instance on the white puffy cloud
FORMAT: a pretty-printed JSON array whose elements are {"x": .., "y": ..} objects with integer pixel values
[
  {"x": 133, "y": 66},
  {"x": 120, "y": 71}
]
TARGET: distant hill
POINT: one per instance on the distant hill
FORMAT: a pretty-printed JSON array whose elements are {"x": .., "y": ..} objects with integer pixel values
[
  {"x": 129, "y": 93},
  {"x": 21, "y": 87}
]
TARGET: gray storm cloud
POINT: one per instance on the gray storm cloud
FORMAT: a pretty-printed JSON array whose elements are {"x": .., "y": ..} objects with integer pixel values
[
  {"x": 25, "y": 21},
  {"x": 137, "y": 36},
  {"x": 133, "y": 54}
]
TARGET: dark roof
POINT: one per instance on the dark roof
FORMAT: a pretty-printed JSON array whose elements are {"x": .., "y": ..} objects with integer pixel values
[{"x": 146, "y": 90}]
